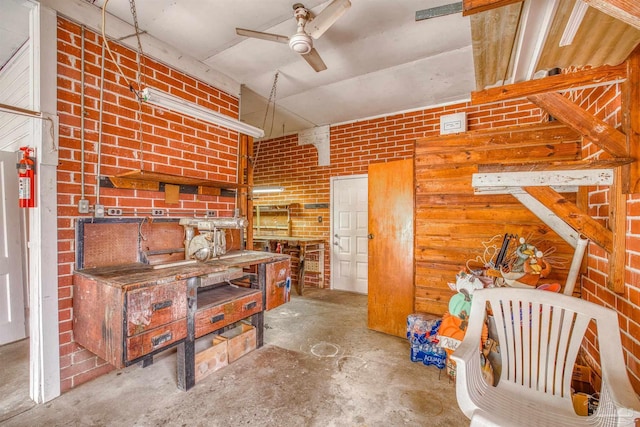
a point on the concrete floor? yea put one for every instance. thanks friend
(14, 379)
(320, 366)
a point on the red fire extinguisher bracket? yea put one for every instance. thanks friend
(26, 179)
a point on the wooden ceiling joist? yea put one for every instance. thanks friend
(600, 133)
(470, 7)
(627, 11)
(558, 83)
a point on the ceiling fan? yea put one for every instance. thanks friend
(309, 28)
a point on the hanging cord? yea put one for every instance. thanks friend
(100, 111)
(140, 77)
(113, 58)
(272, 99)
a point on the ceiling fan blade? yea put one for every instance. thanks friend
(313, 59)
(264, 36)
(325, 19)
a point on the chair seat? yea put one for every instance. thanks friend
(504, 406)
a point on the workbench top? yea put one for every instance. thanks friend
(292, 239)
(139, 274)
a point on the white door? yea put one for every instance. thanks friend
(12, 321)
(349, 255)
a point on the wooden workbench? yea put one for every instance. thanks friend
(305, 246)
(126, 314)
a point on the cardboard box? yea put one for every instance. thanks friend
(240, 341)
(213, 358)
(581, 373)
(581, 380)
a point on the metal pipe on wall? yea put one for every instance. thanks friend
(82, 28)
(99, 148)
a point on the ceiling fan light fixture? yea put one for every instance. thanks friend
(301, 43)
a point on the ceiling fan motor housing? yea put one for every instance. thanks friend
(301, 43)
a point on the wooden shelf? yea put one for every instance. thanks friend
(148, 180)
(279, 218)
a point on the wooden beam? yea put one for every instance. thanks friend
(555, 166)
(209, 191)
(134, 184)
(518, 190)
(470, 7)
(631, 117)
(627, 11)
(618, 225)
(600, 133)
(573, 216)
(245, 177)
(548, 178)
(144, 175)
(547, 216)
(557, 83)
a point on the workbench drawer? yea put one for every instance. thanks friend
(214, 317)
(278, 283)
(153, 306)
(155, 339)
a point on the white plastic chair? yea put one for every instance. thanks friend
(540, 334)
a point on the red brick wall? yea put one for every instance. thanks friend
(170, 143)
(606, 103)
(354, 146)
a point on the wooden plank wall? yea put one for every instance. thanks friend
(452, 222)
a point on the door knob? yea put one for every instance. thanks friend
(370, 236)
(335, 235)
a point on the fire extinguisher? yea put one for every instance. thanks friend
(26, 179)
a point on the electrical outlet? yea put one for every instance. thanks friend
(157, 212)
(83, 206)
(114, 212)
(98, 211)
(211, 213)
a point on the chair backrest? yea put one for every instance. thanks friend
(539, 333)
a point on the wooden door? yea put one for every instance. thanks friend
(391, 290)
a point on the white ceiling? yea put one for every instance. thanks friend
(380, 60)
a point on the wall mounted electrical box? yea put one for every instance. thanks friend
(453, 123)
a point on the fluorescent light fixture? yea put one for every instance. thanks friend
(179, 105)
(577, 15)
(268, 189)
